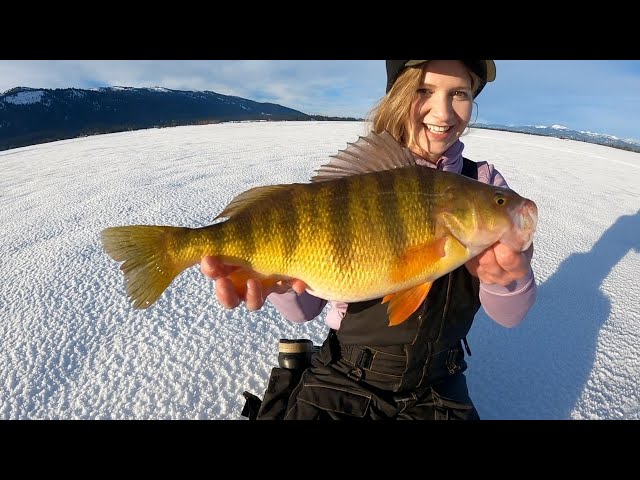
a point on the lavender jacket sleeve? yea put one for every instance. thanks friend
(297, 308)
(507, 306)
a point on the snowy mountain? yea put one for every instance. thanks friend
(560, 131)
(30, 116)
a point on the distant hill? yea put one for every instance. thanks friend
(29, 116)
(560, 131)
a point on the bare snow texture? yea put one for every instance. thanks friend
(73, 348)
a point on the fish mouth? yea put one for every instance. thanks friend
(527, 214)
(525, 221)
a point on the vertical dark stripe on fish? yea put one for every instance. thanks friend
(274, 230)
(220, 241)
(242, 235)
(288, 225)
(339, 224)
(427, 189)
(409, 203)
(394, 229)
(254, 224)
(214, 243)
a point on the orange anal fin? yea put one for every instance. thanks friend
(239, 279)
(403, 304)
(416, 260)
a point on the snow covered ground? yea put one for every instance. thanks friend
(72, 348)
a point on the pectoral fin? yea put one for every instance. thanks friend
(403, 304)
(416, 260)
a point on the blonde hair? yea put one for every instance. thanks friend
(393, 111)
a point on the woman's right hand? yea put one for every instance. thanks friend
(255, 292)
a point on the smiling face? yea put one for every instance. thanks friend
(442, 108)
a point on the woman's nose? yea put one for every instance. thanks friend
(441, 107)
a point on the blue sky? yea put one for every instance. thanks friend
(600, 96)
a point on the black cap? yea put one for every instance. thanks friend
(485, 69)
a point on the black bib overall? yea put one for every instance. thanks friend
(368, 370)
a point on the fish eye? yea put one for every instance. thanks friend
(500, 199)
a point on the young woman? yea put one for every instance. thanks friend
(366, 370)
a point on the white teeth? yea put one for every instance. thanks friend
(437, 129)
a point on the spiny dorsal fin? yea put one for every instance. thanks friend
(248, 198)
(373, 153)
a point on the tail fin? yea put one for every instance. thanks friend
(151, 258)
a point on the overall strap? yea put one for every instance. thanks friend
(469, 168)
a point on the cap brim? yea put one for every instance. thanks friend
(489, 68)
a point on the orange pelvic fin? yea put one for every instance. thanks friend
(402, 304)
(239, 279)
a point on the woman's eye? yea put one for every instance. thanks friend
(461, 94)
(423, 91)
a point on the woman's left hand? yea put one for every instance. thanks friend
(500, 265)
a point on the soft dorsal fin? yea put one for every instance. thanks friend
(248, 198)
(373, 153)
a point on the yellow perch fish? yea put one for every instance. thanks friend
(370, 224)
